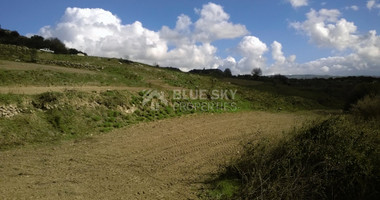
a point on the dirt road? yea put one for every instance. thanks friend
(168, 159)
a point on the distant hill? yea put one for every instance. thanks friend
(309, 76)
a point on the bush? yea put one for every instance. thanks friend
(333, 159)
(360, 91)
(368, 107)
(44, 100)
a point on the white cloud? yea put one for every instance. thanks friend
(298, 3)
(189, 44)
(99, 32)
(230, 63)
(181, 34)
(336, 65)
(291, 58)
(214, 24)
(251, 46)
(277, 53)
(191, 56)
(326, 30)
(353, 7)
(252, 49)
(282, 64)
(325, 69)
(372, 4)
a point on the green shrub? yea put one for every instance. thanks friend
(360, 91)
(44, 100)
(368, 107)
(333, 159)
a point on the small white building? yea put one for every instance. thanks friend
(47, 50)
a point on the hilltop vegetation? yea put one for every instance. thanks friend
(35, 42)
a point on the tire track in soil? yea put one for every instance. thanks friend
(167, 159)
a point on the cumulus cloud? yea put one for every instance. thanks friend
(230, 63)
(98, 32)
(298, 3)
(343, 65)
(181, 34)
(252, 49)
(277, 53)
(188, 45)
(282, 64)
(334, 65)
(373, 4)
(214, 24)
(192, 56)
(325, 28)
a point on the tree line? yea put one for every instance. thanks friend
(35, 42)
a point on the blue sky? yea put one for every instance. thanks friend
(242, 40)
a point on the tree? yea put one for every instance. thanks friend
(36, 42)
(227, 72)
(57, 46)
(256, 72)
(74, 51)
(280, 78)
(15, 34)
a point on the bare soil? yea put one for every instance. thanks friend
(167, 159)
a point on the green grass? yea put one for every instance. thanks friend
(223, 189)
(7, 99)
(54, 78)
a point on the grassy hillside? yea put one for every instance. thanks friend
(48, 97)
